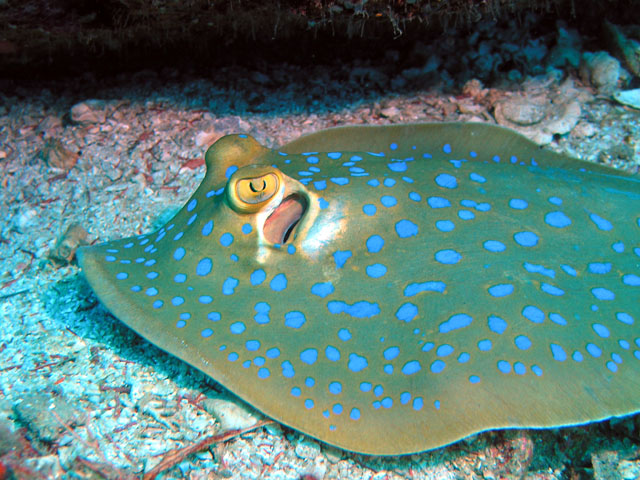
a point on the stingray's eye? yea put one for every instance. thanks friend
(250, 188)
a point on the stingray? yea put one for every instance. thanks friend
(393, 289)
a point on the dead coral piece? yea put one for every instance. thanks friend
(231, 415)
(631, 98)
(57, 156)
(89, 112)
(624, 47)
(538, 118)
(65, 250)
(601, 70)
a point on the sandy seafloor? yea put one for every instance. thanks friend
(81, 396)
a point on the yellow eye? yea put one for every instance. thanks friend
(250, 188)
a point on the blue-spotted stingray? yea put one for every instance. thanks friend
(393, 289)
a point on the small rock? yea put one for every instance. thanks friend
(24, 220)
(604, 465)
(629, 470)
(36, 412)
(57, 156)
(584, 130)
(631, 98)
(65, 249)
(89, 111)
(601, 70)
(307, 449)
(229, 414)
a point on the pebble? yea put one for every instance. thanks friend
(630, 98)
(307, 449)
(231, 415)
(89, 112)
(56, 155)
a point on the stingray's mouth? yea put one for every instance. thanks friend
(282, 222)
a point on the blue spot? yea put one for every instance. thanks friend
(445, 180)
(322, 289)
(569, 270)
(205, 299)
(411, 367)
(354, 414)
(455, 322)
(237, 328)
(136, 288)
(555, 200)
(310, 382)
(232, 357)
(332, 353)
(593, 350)
(445, 225)
(294, 319)
(190, 206)
(262, 313)
(625, 318)
(494, 246)
(320, 184)
(601, 330)
(602, 293)
(204, 267)
(230, 171)
(415, 196)
(334, 155)
(295, 391)
(504, 367)
(373, 182)
(577, 356)
(417, 403)
(340, 180)
(557, 219)
(178, 236)
(406, 228)
(618, 247)
(376, 270)
(257, 277)
(391, 353)
(226, 239)
(369, 209)
(518, 204)
(179, 253)
(273, 352)
(444, 350)
(631, 280)
(497, 324)
(501, 290)
(448, 257)
(397, 166)
(214, 316)
(122, 276)
(229, 286)
(360, 309)
(600, 222)
(177, 301)
(247, 229)
(388, 201)
(551, 289)
(208, 228)
(466, 215)
(522, 342)
(344, 334)
(341, 256)
(437, 366)
(287, 370)
(308, 403)
(335, 388)
(357, 363)
(365, 387)
(438, 202)
(415, 288)
(279, 282)
(427, 347)
(474, 379)
(526, 239)
(309, 356)
(446, 148)
(519, 368)
(532, 268)
(375, 243)
(185, 316)
(533, 314)
(485, 345)
(252, 345)
(206, 333)
(464, 357)
(558, 352)
(264, 372)
(407, 312)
